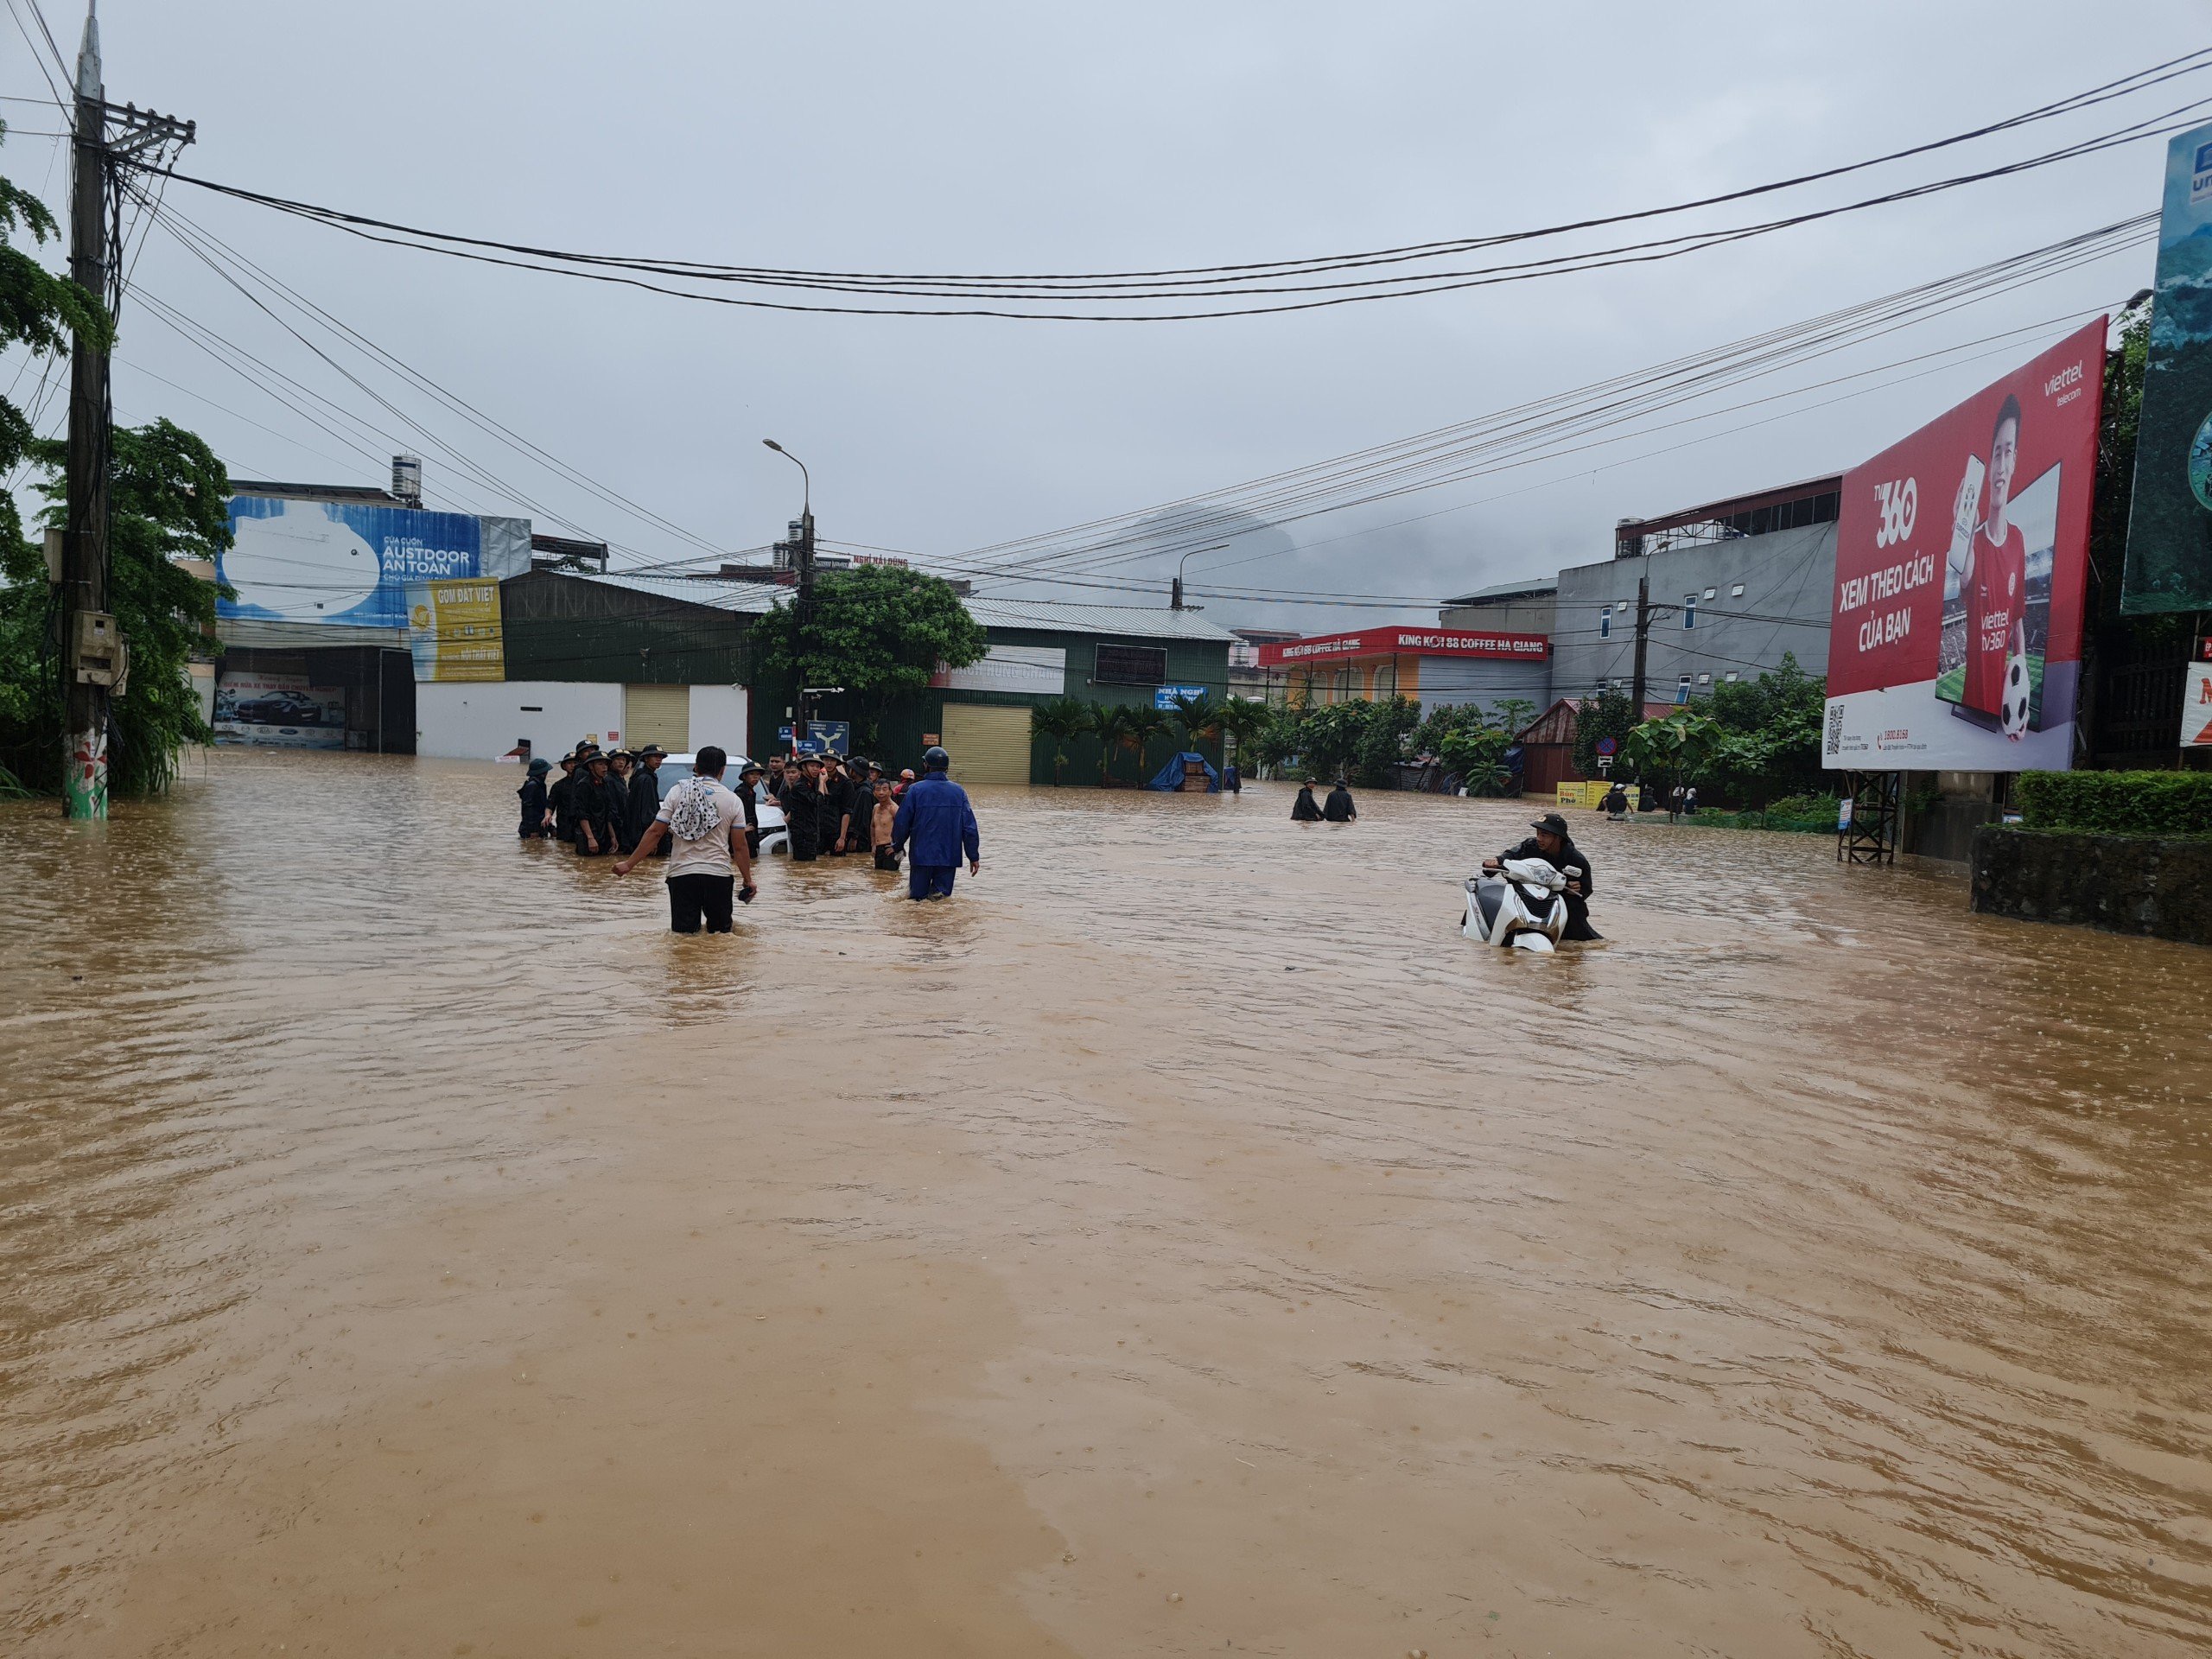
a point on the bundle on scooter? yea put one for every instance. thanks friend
(1519, 906)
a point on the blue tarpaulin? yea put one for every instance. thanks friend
(1171, 775)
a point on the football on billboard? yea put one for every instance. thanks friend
(2012, 707)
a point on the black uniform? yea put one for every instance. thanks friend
(560, 796)
(533, 827)
(1305, 808)
(1578, 904)
(641, 804)
(836, 804)
(1339, 809)
(593, 801)
(803, 818)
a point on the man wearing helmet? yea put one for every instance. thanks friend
(937, 823)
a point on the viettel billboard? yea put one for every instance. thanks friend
(1955, 634)
(349, 563)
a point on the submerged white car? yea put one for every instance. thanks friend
(770, 835)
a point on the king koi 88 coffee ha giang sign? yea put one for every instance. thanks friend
(1956, 635)
(349, 563)
(1420, 642)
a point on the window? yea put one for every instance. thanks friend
(1131, 664)
(1711, 593)
(1690, 610)
(1737, 592)
(1605, 624)
(1682, 689)
(1705, 679)
(1732, 677)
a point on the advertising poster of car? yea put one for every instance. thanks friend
(348, 564)
(453, 630)
(2168, 565)
(279, 711)
(1961, 553)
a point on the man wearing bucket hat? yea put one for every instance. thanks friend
(1556, 848)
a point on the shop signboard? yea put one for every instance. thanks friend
(1961, 553)
(1416, 642)
(350, 563)
(2197, 700)
(2169, 520)
(453, 630)
(1163, 696)
(278, 711)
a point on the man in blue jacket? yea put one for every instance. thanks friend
(935, 821)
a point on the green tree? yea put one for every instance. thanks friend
(1060, 721)
(1478, 757)
(1198, 718)
(879, 631)
(1610, 714)
(169, 499)
(1141, 727)
(1771, 734)
(1107, 723)
(1239, 721)
(1677, 749)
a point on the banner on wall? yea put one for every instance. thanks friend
(279, 711)
(1035, 671)
(2169, 516)
(453, 630)
(1961, 553)
(349, 563)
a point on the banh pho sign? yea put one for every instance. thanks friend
(1390, 642)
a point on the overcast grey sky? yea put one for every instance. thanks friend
(1007, 137)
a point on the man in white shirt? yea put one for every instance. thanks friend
(707, 825)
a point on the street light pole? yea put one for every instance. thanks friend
(803, 607)
(1175, 593)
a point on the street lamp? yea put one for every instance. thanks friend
(806, 484)
(1175, 597)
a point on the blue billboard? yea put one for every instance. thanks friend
(348, 564)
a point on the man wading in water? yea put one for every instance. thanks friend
(707, 823)
(935, 821)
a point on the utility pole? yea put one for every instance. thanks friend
(1643, 643)
(94, 663)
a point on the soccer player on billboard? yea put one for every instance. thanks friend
(1995, 586)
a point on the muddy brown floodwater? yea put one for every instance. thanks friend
(1182, 1241)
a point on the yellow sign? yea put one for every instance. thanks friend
(453, 630)
(1585, 794)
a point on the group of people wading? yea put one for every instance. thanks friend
(614, 802)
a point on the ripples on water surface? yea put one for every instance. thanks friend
(1813, 1268)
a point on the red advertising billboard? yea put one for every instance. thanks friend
(1955, 636)
(1395, 641)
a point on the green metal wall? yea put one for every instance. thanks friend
(560, 628)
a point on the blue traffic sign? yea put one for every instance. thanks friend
(822, 737)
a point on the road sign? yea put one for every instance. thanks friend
(822, 737)
(1163, 696)
(1609, 746)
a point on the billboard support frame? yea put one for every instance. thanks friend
(1870, 837)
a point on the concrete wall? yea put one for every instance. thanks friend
(481, 722)
(719, 715)
(1532, 613)
(1457, 680)
(2122, 884)
(1789, 573)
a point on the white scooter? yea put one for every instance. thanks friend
(1519, 906)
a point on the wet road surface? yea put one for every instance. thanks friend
(1182, 1241)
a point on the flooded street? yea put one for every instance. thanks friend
(1182, 1241)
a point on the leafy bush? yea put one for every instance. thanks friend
(1811, 814)
(2118, 803)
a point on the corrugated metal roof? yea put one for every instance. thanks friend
(757, 598)
(1507, 589)
(745, 598)
(1143, 621)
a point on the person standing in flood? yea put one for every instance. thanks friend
(537, 815)
(593, 798)
(1339, 809)
(935, 821)
(1305, 809)
(707, 823)
(641, 794)
(802, 808)
(560, 796)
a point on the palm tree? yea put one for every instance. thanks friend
(1140, 726)
(1200, 717)
(1061, 720)
(1239, 720)
(1106, 722)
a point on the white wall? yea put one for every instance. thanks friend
(481, 720)
(718, 716)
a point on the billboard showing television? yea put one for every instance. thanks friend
(1955, 634)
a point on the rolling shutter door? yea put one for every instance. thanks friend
(987, 744)
(657, 714)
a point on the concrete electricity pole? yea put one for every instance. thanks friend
(1643, 643)
(94, 664)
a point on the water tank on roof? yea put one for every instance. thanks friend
(407, 478)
